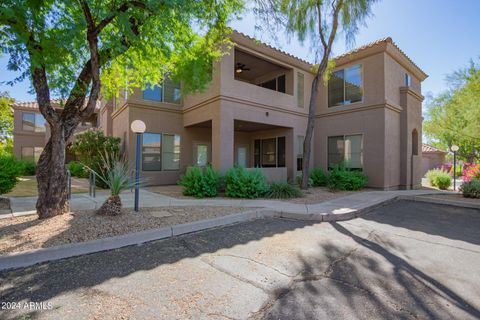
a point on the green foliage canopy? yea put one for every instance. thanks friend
(453, 117)
(6, 119)
(139, 42)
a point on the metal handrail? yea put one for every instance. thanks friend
(92, 184)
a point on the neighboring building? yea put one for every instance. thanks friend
(432, 158)
(31, 131)
(254, 114)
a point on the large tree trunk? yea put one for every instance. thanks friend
(52, 177)
(307, 143)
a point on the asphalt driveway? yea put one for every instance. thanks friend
(405, 261)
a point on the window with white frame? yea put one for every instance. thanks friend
(160, 152)
(345, 86)
(408, 80)
(346, 150)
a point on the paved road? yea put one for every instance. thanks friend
(405, 261)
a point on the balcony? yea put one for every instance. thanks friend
(260, 72)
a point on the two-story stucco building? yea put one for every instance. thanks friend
(254, 114)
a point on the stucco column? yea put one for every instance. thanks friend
(222, 142)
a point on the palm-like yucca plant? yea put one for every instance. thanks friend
(114, 172)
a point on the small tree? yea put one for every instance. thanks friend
(6, 122)
(69, 48)
(319, 21)
(453, 117)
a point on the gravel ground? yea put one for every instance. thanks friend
(455, 197)
(28, 232)
(311, 196)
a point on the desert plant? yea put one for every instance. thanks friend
(319, 177)
(471, 189)
(439, 178)
(91, 147)
(115, 173)
(344, 179)
(200, 183)
(77, 169)
(28, 167)
(283, 190)
(242, 183)
(10, 170)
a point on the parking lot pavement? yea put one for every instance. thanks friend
(406, 260)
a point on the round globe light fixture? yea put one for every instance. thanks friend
(454, 148)
(138, 126)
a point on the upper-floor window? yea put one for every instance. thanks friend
(276, 84)
(32, 121)
(300, 90)
(345, 86)
(408, 80)
(168, 92)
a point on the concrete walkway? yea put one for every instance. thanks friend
(347, 206)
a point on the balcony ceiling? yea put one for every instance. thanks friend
(244, 126)
(258, 67)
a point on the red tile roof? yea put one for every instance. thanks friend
(430, 149)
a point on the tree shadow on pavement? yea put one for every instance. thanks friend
(365, 282)
(451, 222)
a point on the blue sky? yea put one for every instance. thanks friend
(440, 36)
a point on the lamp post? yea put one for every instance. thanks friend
(454, 148)
(138, 127)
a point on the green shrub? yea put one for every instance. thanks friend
(28, 167)
(318, 177)
(439, 178)
(344, 179)
(283, 190)
(201, 183)
(91, 147)
(298, 181)
(242, 183)
(471, 189)
(77, 169)
(10, 170)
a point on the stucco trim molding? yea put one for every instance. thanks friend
(385, 105)
(413, 93)
(245, 102)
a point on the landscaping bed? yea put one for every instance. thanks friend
(27, 187)
(28, 232)
(311, 196)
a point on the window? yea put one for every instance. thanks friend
(345, 86)
(171, 152)
(31, 153)
(408, 80)
(34, 122)
(275, 84)
(160, 152)
(168, 92)
(300, 90)
(202, 155)
(269, 152)
(151, 147)
(154, 93)
(300, 140)
(346, 150)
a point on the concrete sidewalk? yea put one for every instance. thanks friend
(345, 207)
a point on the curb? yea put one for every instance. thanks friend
(454, 203)
(36, 256)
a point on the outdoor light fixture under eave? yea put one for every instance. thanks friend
(454, 148)
(138, 127)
